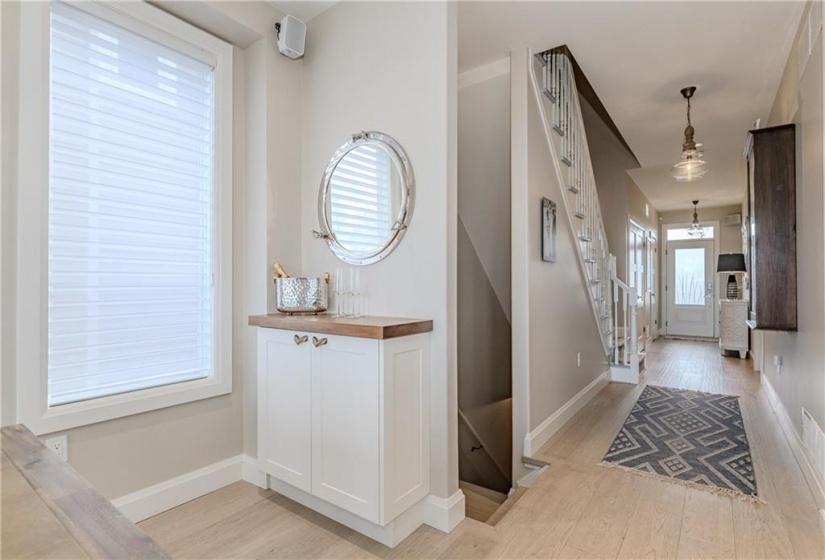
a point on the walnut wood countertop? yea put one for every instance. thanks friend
(50, 511)
(362, 327)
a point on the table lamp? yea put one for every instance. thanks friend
(732, 264)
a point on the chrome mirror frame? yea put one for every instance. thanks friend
(402, 219)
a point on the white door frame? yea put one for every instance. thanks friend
(642, 287)
(652, 272)
(664, 269)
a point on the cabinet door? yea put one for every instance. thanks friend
(345, 427)
(284, 406)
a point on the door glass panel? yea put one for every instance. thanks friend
(690, 276)
(683, 234)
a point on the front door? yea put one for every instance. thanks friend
(689, 288)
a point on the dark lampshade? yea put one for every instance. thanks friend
(731, 262)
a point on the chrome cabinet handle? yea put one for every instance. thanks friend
(319, 342)
(300, 339)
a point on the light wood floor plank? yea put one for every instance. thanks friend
(760, 532)
(707, 526)
(657, 522)
(608, 514)
(197, 515)
(576, 509)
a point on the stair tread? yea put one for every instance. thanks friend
(508, 504)
(480, 503)
(487, 493)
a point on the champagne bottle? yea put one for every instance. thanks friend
(279, 271)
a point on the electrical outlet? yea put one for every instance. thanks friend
(578, 359)
(777, 362)
(59, 446)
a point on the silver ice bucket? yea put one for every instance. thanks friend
(301, 295)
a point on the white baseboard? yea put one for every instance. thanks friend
(538, 437)
(527, 480)
(444, 514)
(620, 374)
(389, 535)
(252, 474)
(171, 493)
(816, 485)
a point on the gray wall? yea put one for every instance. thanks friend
(801, 382)
(619, 197)
(484, 261)
(552, 314)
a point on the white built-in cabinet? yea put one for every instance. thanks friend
(345, 419)
(733, 327)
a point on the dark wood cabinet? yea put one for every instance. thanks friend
(772, 235)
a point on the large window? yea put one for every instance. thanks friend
(137, 211)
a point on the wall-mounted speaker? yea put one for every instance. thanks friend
(292, 34)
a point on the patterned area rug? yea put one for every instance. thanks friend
(695, 438)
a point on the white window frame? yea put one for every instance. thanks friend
(32, 229)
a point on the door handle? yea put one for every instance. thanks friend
(300, 339)
(319, 341)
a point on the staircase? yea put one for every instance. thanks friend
(614, 303)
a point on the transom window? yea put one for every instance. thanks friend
(682, 234)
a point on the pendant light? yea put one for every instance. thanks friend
(695, 230)
(690, 167)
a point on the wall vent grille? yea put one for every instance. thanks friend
(813, 438)
(732, 219)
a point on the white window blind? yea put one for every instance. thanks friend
(130, 223)
(361, 199)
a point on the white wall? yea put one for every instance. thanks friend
(390, 67)
(801, 382)
(552, 314)
(271, 223)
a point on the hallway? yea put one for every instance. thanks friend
(577, 509)
(642, 517)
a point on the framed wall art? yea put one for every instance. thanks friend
(548, 230)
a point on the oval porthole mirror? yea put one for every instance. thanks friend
(365, 203)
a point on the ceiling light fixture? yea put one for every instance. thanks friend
(695, 230)
(690, 167)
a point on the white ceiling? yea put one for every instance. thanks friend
(638, 55)
(304, 10)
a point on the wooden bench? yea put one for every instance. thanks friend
(50, 511)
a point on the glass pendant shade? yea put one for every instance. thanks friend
(695, 229)
(690, 168)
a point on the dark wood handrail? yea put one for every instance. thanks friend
(587, 91)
